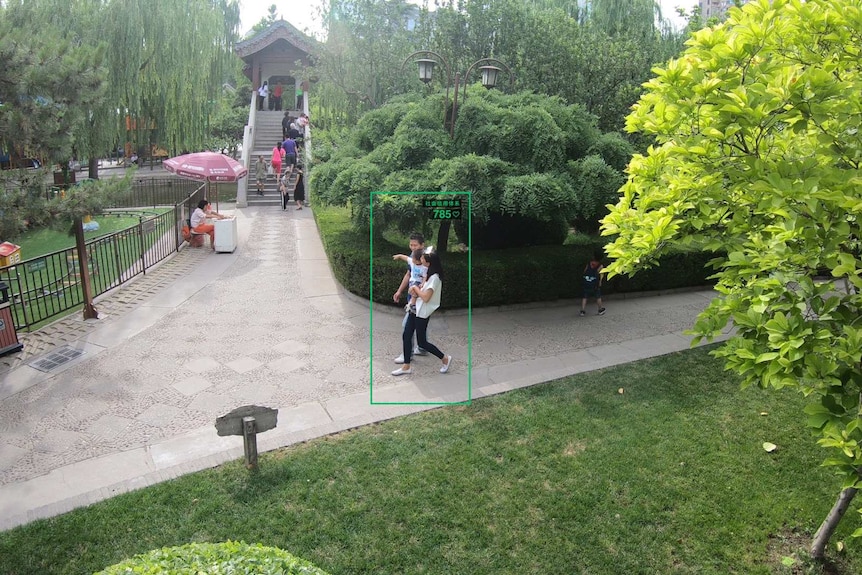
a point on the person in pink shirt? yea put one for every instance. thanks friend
(278, 155)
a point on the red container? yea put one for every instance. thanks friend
(8, 337)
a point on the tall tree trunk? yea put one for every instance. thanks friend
(827, 528)
(84, 269)
(443, 236)
(93, 168)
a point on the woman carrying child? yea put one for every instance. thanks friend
(427, 298)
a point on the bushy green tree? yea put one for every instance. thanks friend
(359, 65)
(49, 82)
(265, 22)
(598, 57)
(229, 116)
(512, 152)
(596, 184)
(164, 71)
(758, 155)
(78, 68)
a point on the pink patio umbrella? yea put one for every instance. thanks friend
(207, 167)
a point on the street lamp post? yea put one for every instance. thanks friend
(428, 59)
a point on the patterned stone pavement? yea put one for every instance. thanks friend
(250, 336)
(116, 303)
(204, 333)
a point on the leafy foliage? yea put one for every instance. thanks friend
(532, 272)
(378, 125)
(85, 66)
(49, 81)
(596, 185)
(615, 150)
(484, 176)
(511, 152)
(230, 557)
(598, 57)
(230, 113)
(24, 205)
(89, 197)
(366, 42)
(758, 154)
(164, 71)
(265, 22)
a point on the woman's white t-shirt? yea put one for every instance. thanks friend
(198, 218)
(424, 309)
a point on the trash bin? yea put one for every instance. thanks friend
(59, 180)
(8, 337)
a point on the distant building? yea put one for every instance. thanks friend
(716, 8)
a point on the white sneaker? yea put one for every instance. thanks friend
(446, 367)
(400, 359)
(419, 351)
(402, 371)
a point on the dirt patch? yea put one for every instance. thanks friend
(787, 553)
(575, 447)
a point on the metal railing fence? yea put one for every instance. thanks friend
(43, 287)
(147, 192)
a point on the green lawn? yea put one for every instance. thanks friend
(569, 477)
(45, 241)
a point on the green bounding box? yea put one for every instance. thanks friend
(394, 217)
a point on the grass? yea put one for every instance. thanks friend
(568, 477)
(579, 239)
(47, 240)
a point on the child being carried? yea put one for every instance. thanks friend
(417, 275)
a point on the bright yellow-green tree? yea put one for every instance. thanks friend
(757, 156)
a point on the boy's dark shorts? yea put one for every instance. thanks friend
(590, 291)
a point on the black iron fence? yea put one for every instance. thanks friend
(46, 286)
(146, 192)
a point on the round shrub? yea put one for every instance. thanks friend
(596, 185)
(233, 557)
(377, 126)
(615, 150)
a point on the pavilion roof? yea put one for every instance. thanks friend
(278, 30)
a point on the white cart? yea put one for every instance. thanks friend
(225, 235)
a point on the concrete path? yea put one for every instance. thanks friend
(204, 333)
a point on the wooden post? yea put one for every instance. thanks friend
(84, 267)
(248, 421)
(249, 436)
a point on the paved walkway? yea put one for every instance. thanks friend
(204, 333)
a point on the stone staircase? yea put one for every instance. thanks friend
(267, 133)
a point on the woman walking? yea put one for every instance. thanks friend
(277, 157)
(260, 173)
(427, 302)
(299, 189)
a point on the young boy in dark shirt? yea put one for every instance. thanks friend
(593, 285)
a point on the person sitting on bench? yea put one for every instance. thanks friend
(199, 220)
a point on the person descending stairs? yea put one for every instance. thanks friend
(291, 183)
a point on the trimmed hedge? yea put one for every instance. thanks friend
(232, 557)
(500, 277)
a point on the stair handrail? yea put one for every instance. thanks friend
(245, 158)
